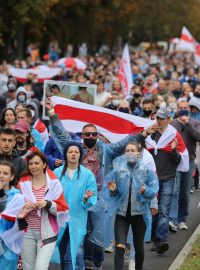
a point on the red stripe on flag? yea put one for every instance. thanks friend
(187, 38)
(107, 121)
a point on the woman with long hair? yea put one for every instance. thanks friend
(8, 118)
(80, 193)
(11, 203)
(45, 210)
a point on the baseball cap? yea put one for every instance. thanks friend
(163, 113)
(22, 126)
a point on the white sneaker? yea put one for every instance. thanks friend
(172, 227)
(131, 264)
(182, 226)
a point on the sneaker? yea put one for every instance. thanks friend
(182, 226)
(191, 191)
(109, 249)
(131, 264)
(154, 248)
(172, 227)
(88, 265)
(162, 247)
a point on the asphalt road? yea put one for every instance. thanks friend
(176, 243)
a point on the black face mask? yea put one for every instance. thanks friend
(147, 112)
(177, 93)
(90, 142)
(197, 95)
(137, 95)
(124, 110)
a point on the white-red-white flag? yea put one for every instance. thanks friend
(124, 73)
(113, 125)
(42, 129)
(165, 142)
(187, 41)
(42, 73)
(197, 54)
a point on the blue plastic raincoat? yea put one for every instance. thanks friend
(74, 191)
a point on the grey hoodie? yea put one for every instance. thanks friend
(14, 103)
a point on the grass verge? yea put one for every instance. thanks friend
(192, 262)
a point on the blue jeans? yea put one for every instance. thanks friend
(162, 222)
(181, 195)
(184, 195)
(93, 252)
(65, 254)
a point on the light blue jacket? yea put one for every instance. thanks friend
(74, 191)
(8, 259)
(107, 152)
(141, 175)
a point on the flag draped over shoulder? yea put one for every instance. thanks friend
(113, 125)
(165, 142)
(42, 129)
(124, 73)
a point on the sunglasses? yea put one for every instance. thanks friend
(88, 134)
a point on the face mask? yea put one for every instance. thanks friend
(183, 112)
(124, 110)
(177, 93)
(197, 95)
(131, 160)
(147, 112)
(21, 98)
(137, 95)
(32, 113)
(90, 142)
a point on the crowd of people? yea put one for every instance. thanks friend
(69, 198)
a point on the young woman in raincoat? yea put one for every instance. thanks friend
(80, 191)
(11, 202)
(134, 185)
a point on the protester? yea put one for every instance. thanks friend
(11, 203)
(80, 193)
(189, 129)
(167, 148)
(26, 115)
(7, 151)
(139, 187)
(8, 118)
(45, 210)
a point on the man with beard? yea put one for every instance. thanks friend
(97, 157)
(24, 141)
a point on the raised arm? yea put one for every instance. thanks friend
(58, 132)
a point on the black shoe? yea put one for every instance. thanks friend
(154, 248)
(162, 247)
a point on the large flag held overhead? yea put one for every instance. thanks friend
(113, 125)
(42, 73)
(124, 73)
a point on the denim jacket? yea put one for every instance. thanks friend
(141, 175)
(107, 152)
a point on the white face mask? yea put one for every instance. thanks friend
(32, 113)
(21, 98)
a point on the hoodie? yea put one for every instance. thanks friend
(14, 103)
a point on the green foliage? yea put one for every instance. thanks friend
(96, 21)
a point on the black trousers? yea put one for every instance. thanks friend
(138, 227)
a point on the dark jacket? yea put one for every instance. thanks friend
(18, 162)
